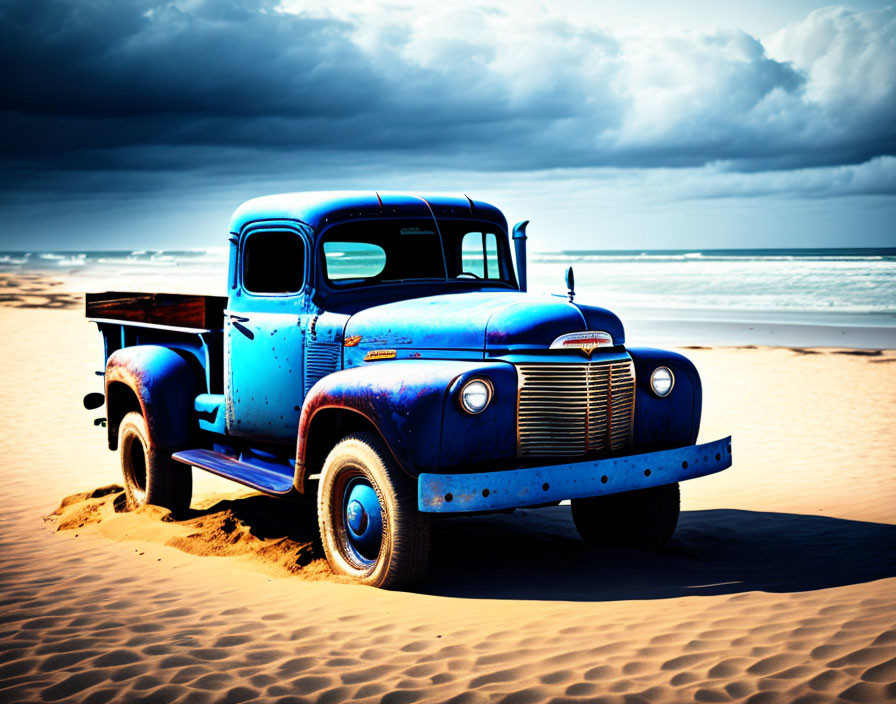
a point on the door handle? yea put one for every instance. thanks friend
(237, 323)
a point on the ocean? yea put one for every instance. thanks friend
(828, 288)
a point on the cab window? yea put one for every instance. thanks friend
(273, 262)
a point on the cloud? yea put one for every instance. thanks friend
(849, 60)
(871, 178)
(598, 188)
(226, 85)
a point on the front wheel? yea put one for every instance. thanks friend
(643, 519)
(150, 475)
(370, 527)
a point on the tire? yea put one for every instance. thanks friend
(150, 475)
(643, 519)
(370, 527)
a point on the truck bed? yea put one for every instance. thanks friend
(163, 309)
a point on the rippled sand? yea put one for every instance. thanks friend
(779, 586)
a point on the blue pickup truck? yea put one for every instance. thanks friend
(380, 352)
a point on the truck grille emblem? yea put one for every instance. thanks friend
(585, 341)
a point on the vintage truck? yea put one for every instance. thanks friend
(381, 353)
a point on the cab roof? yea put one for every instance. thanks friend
(318, 209)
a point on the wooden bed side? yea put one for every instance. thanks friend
(173, 309)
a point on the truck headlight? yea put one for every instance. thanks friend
(661, 381)
(475, 395)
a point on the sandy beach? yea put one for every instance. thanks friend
(779, 585)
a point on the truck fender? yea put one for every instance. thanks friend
(162, 387)
(673, 421)
(403, 400)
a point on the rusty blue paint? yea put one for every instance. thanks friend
(531, 322)
(672, 421)
(487, 439)
(494, 491)
(254, 390)
(264, 358)
(165, 387)
(203, 345)
(497, 322)
(210, 412)
(320, 209)
(597, 318)
(402, 399)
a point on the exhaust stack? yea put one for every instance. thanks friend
(519, 243)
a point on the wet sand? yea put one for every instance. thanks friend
(779, 585)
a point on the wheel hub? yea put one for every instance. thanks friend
(357, 518)
(363, 519)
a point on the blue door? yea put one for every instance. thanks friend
(264, 335)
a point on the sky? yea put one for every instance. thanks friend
(610, 125)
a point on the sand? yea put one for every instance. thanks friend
(779, 585)
(19, 290)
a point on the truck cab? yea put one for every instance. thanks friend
(381, 353)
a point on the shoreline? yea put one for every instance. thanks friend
(745, 334)
(669, 328)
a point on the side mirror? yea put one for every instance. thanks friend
(519, 243)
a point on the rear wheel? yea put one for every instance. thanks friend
(643, 519)
(370, 527)
(150, 475)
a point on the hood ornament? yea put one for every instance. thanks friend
(585, 341)
(570, 284)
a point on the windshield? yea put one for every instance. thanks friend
(393, 251)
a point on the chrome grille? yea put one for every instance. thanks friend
(568, 410)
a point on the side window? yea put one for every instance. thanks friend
(479, 255)
(273, 262)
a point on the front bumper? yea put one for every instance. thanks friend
(515, 488)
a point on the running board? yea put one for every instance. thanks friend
(251, 475)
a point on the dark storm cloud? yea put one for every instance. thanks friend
(122, 85)
(93, 76)
(139, 59)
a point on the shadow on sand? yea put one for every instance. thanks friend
(536, 554)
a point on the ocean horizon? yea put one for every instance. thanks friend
(845, 280)
(846, 288)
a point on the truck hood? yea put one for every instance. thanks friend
(477, 321)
